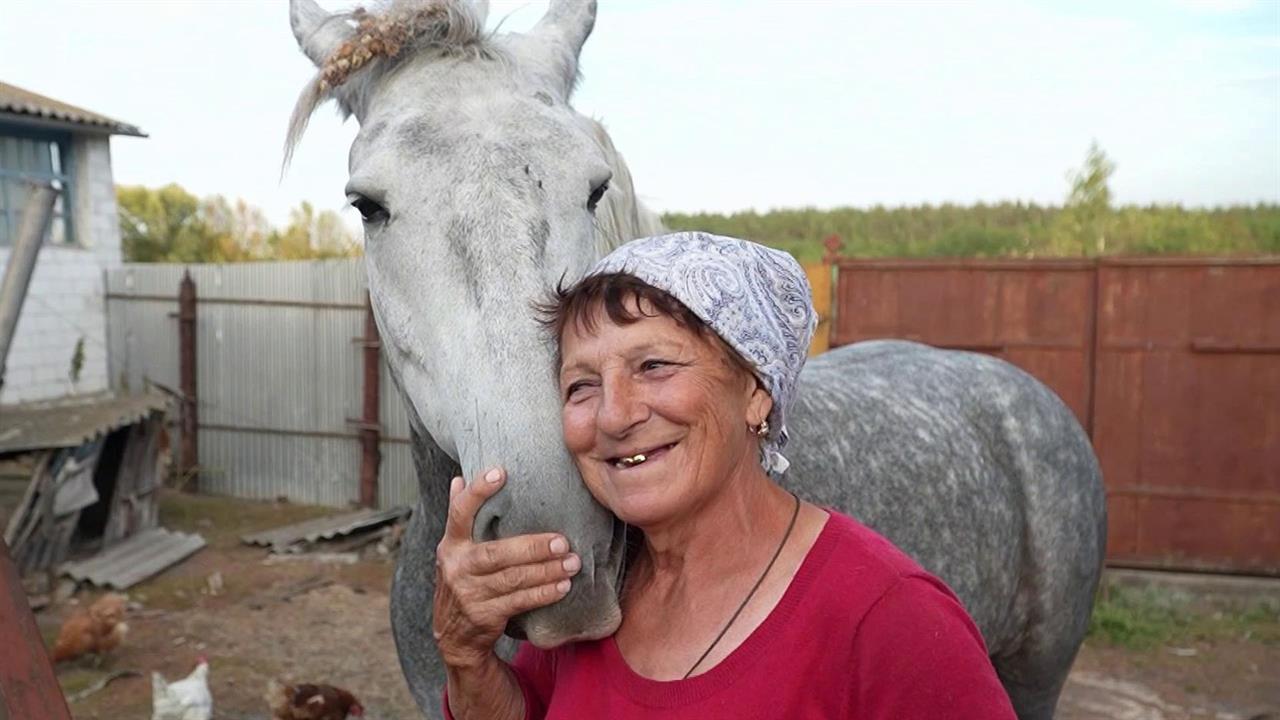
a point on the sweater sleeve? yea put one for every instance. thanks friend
(918, 655)
(534, 670)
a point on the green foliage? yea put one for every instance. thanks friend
(169, 224)
(997, 230)
(1086, 224)
(1146, 618)
(77, 360)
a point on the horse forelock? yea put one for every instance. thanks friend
(378, 41)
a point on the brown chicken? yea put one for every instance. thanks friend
(97, 630)
(305, 701)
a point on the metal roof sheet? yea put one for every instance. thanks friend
(70, 422)
(128, 563)
(17, 101)
(327, 528)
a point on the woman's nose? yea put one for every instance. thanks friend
(620, 408)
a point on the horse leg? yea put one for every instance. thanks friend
(1063, 550)
(413, 587)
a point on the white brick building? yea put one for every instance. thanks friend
(60, 345)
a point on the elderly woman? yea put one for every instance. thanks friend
(679, 356)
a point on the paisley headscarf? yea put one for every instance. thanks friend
(755, 298)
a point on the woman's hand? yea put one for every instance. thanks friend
(480, 586)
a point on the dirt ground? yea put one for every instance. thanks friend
(329, 622)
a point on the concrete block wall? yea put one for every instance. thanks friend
(66, 299)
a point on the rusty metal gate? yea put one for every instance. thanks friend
(1171, 365)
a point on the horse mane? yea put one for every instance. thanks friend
(379, 41)
(621, 216)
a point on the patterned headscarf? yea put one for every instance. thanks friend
(755, 298)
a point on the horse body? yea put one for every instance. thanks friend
(482, 189)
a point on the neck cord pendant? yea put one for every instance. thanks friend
(790, 526)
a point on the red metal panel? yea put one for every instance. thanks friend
(1173, 364)
(28, 687)
(1035, 314)
(1187, 412)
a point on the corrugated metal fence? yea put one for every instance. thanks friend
(1171, 364)
(279, 374)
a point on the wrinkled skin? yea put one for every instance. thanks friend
(487, 176)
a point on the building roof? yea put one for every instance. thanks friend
(25, 106)
(68, 422)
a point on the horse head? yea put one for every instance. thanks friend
(480, 189)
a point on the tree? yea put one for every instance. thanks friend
(169, 224)
(164, 225)
(313, 235)
(1083, 224)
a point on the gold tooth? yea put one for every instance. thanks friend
(633, 460)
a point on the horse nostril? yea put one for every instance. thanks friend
(489, 531)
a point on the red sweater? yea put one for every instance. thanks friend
(862, 632)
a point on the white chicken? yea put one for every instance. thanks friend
(185, 699)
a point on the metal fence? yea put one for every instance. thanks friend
(1171, 364)
(278, 372)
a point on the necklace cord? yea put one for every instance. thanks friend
(759, 581)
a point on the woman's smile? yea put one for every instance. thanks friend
(631, 461)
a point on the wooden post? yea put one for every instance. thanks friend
(189, 456)
(370, 429)
(821, 282)
(28, 687)
(22, 263)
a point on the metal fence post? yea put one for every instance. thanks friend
(189, 451)
(370, 428)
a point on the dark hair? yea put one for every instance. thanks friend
(621, 295)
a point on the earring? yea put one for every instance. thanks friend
(763, 428)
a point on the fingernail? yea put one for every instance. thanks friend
(493, 475)
(559, 545)
(563, 586)
(573, 563)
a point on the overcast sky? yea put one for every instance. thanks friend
(729, 105)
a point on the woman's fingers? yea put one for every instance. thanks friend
(528, 599)
(494, 555)
(513, 579)
(465, 502)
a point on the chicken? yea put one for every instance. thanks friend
(305, 701)
(185, 699)
(97, 630)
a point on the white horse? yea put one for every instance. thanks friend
(481, 188)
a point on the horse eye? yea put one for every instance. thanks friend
(596, 196)
(370, 211)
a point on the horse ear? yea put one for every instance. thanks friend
(318, 32)
(558, 39)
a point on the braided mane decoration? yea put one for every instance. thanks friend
(378, 41)
(378, 36)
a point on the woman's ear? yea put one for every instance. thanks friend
(759, 405)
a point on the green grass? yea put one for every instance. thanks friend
(1146, 618)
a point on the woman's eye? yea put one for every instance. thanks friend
(370, 211)
(574, 389)
(653, 364)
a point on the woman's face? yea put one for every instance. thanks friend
(655, 388)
